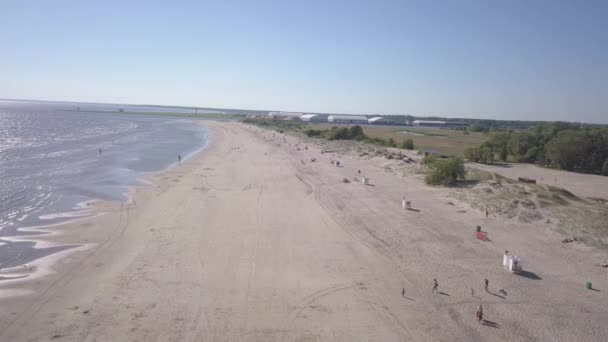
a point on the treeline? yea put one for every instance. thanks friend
(333, 133)
(561, 145)
(356, 133)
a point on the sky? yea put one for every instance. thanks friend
(520, 60)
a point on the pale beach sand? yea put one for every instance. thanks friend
(250, 241)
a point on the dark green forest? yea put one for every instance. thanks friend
(561, 145)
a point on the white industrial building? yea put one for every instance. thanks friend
(284, 115)
(436, 123)
(376, 120)
(429, 123)
(308, 117)
(347, 119)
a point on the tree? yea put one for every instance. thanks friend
(503, 153)
(472, 154)
(605, 168)
(407, 144)
(486, 154)
(520, 143)
(445, 171)
(566, 150)
(338, 134)
(356, 133)
(498, 142)
(476, 127)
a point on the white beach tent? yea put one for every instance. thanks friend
(512, 263)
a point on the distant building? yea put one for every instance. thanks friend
(456, 124)
(307, 117)
(429, 123)
(314, 118)
(376, 120)
(443, 124)
(284, 115)
(347, 119)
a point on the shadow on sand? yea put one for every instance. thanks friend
(443, 294)
(496, 294)
(466, 183)
(490, 323)
(529, 275)
(414, 209)
(505, 165)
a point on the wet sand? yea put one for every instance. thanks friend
(251, 241)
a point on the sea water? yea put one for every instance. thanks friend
(50, 163)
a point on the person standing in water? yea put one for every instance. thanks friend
(99, 151)
(179, 159)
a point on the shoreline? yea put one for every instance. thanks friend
(46, 233)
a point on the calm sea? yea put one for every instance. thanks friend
(50, 163)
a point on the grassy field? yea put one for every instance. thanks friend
(446, 141)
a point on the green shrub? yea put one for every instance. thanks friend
(337, 134)
(407, 144)
(429, 159)
(356, 133)
(472, 154)
(313, 132)
(444, 171)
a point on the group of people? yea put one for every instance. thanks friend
(479, 313)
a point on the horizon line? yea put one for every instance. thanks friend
(287, 111)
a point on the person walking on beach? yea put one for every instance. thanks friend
(435, 285)
(403, 292)
(486, 212)
(480, 314)
(403, 203)
(487, 282)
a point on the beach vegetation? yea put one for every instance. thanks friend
(559, 145)
(444, 171)
(407, 144)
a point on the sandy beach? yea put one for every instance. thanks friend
(251, 241)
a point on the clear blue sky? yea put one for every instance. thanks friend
(544, 60)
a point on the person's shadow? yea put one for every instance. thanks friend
(490, 323)
(495, 294)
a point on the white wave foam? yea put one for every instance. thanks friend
(80, 213)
